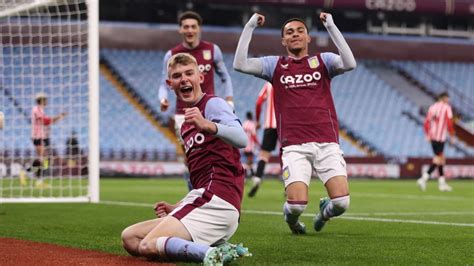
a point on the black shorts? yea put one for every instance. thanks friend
(270, 138)
(438, 147)
(41, 142)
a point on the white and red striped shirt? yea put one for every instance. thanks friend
(40, 123)
(438, 121)
(266, 94)
(250, 129)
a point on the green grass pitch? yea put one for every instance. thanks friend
(389, 223)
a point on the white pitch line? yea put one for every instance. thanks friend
(351, 214)
(407, 213)
(374, 219)
(410, 197)
(126, 203)
(404, 221)
(345, 217)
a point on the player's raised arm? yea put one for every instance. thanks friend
(345, 61)
(241, 61)
(163, 89)
(221, 70)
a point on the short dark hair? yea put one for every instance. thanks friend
(293, 19)
(41, 98)
(249, 115)
(189, 15)
(443, 94)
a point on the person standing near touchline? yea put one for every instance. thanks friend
(438, 122)
(270, 136)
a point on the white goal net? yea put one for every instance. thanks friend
(49, 101)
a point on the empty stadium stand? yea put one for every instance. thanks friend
(369, 106)
(366, 104)
(125, 134)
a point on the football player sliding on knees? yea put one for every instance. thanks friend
(187, 231)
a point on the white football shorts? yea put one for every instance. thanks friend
(209, 219)
(303, 161)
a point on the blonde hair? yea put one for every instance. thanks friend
(181, 59)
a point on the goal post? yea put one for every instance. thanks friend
(94, 145)
(50, 66)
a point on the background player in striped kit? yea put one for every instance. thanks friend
(438, 122)
(270, 136)
(306, 117)
(40, 136)
(210, 60)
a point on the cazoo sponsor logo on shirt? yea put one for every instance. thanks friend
(196, 139)
(300, 80)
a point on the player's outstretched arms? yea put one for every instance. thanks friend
(346, 60)
(241, 61)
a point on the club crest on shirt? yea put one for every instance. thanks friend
(206, 54)
(313, 62)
